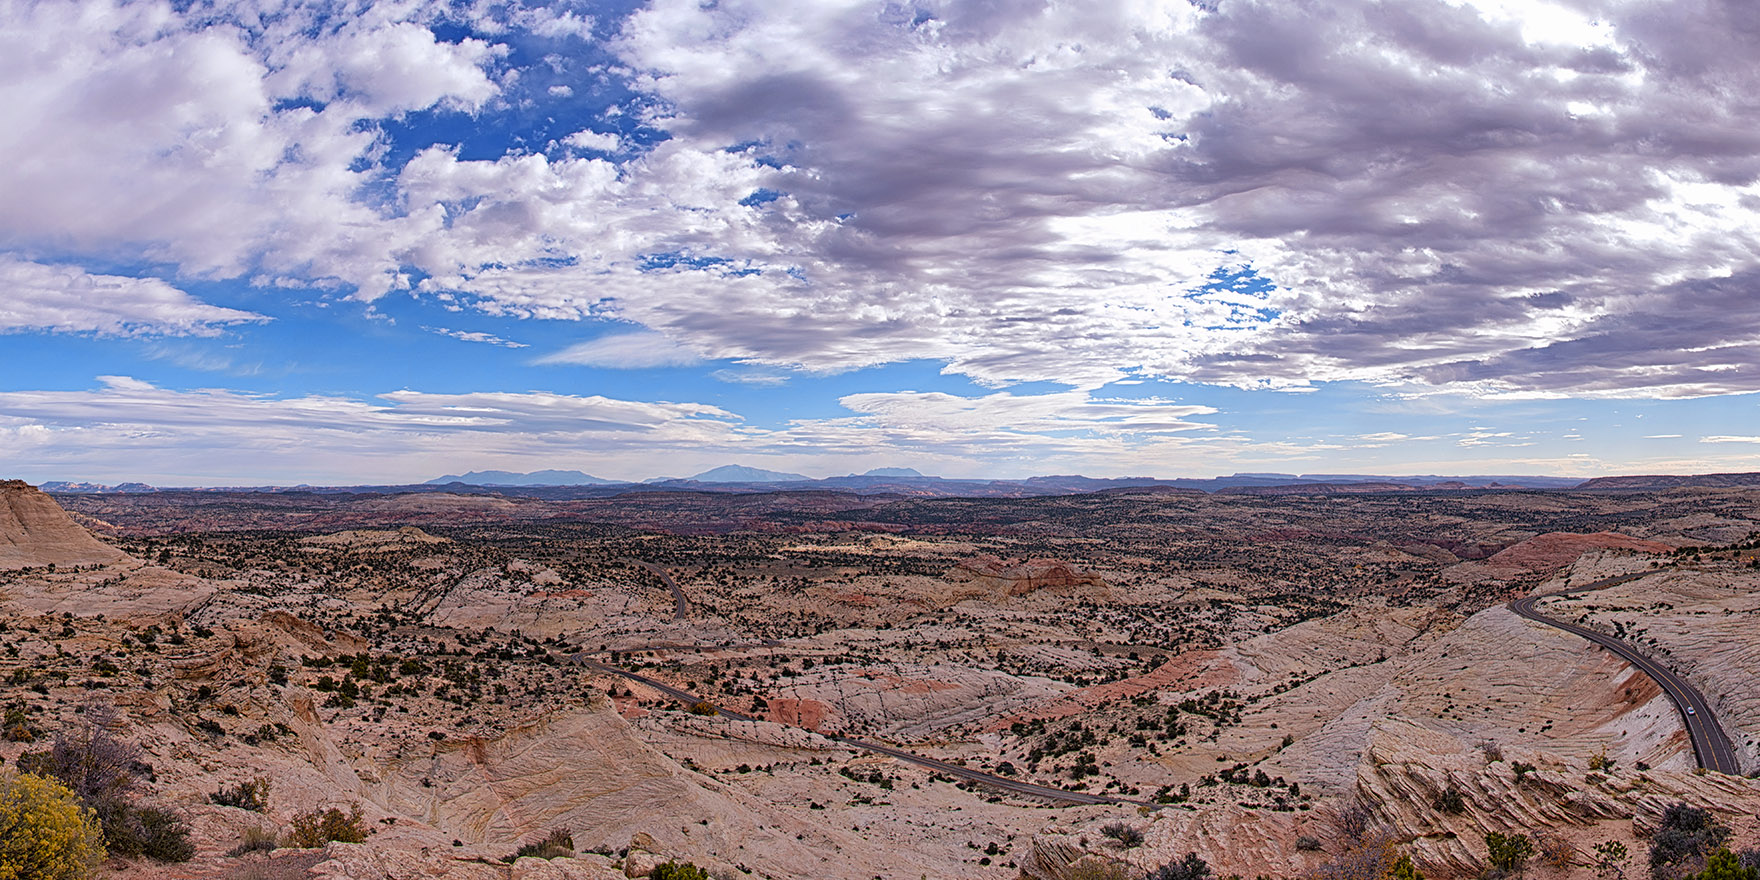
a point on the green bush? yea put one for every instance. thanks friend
(678, 871)
(44, 832)
(1723, 865)
(1508, 853)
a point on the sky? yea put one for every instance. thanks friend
(254, 242)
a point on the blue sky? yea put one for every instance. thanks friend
(253, 243)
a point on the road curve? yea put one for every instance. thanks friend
(1710, 744)
(1013, 786)
(679, 603)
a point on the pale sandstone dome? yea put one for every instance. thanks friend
(35, 531)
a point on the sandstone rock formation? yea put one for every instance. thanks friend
(1018, 579)
(35, 531)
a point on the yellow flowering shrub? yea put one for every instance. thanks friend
(44, 832)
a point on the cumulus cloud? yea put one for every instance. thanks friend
(1555, 198)
(64, 299)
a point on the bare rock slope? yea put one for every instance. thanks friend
(35, 531)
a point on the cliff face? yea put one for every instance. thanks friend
(35, 531)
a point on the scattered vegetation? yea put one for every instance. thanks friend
(101, 771)
(1686, 836)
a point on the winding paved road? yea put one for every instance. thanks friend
(679, 603)
(1013, 786)
(1710, 744)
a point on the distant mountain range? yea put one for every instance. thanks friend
(739, 473)
(910, 482)
(535, 478)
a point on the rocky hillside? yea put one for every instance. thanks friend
(35, 531)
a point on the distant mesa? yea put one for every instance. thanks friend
(739, 473)
(535, 478)
(893, 472)
(35, 531)
(1656, 482)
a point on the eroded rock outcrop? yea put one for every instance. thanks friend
(1021, 578)
(35, 531)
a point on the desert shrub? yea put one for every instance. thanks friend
(678, 871)
(558, 844)
(1371, 858)
(251, 794)
(1555, 850)
(703, 707)
(1308, 843)
(1681, 843)
(315, 828)
(1450, 801)
(1492, 751)
(44, 832)
(17, 726)
(1507, 853)
(1749, 858)
(1096, 869)
(1725, 865)
(101, 771)
(1403, 869)
(1522, 769)
(1610, 860)
(97, 766)
(1125, 835)
(254, 839)
(153, 832)
(1192, 867)
(1351, 820)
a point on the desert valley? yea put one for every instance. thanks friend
(1309, 682)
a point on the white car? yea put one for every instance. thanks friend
(1690, 711)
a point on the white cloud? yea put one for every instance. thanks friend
(1729, 438)
(587, 139)
(1499, 197)
(64, 299)
(476, 336)
(625, 351)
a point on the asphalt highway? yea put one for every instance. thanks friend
(679, 603)
(1710, 744)
(1013, 786)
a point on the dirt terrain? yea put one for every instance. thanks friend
(1248, 668)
